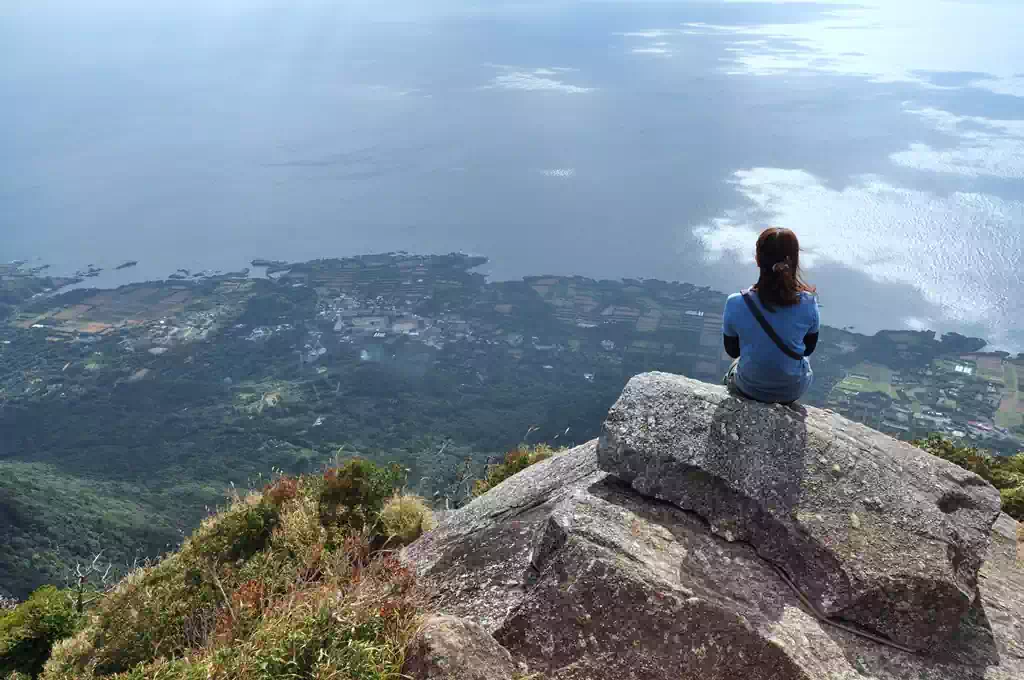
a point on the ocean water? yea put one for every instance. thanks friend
(601, 138)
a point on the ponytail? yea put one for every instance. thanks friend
(778, 256)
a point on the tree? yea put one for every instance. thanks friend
(29, 631)
(88, 583)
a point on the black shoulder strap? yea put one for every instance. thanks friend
(768, 328)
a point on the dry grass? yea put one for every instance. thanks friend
(515, 461)
(262, 590)
(405, 518)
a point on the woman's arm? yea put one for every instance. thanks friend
(811, 339)
(730, 334)
(810, 343)
(732, 345)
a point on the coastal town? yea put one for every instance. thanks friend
(970, 396)
(399, 307)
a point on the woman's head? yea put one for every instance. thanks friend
(778, 257)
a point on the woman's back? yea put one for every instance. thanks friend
(764, 370)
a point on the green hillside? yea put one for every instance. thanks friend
(298, 580)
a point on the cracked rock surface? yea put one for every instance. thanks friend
(872, 530)
(580, 576)
(450, 648)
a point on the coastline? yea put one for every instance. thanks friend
(97, 278)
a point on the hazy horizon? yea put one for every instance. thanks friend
(606, 139)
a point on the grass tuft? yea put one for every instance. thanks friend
(352, 495)
(405, 518)
(515, 461)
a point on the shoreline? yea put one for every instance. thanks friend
(267, 268)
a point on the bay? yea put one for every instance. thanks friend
(608, 139)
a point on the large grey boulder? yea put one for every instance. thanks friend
(482, 552)
(872, 530)
(580, 577)
(450, 648)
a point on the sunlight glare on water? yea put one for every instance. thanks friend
(609, 139)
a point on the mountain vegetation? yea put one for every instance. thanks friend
(120, 443)
(136, 461)
(297, 580)
(29, 630)
(1006, 473)
(515, 461)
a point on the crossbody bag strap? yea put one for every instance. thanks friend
(768, 328)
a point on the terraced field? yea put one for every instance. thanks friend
(1011, 408)
(868, 377)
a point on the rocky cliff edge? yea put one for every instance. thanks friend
(710, 537)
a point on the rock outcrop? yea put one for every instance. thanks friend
(871, 530)
(450, 648)
(581, 574)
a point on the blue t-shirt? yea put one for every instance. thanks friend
(765, 372)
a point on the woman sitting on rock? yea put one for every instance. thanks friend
(772, 328)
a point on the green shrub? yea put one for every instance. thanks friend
(515, 461)
(239, 533)
(262, 590)
(352, 495)
(29, 631)
(148, 614)
(1006, 473)
(1013, 502)
(405, 518)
